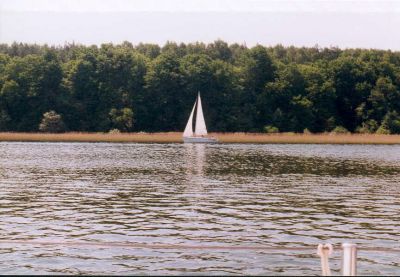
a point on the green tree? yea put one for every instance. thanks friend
(149, 50)
(391, 122)
(219, 50)
(52, 123)
(256, 70)
(347, 74)
(368, 127)
(384, 97)
(32, 86)
(4, 121)
(163, 97)
(121, 119)
(82, 85)
(320, 91)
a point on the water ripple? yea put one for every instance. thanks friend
(277, 195)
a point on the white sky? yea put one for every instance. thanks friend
(361, 23)
(201, 5)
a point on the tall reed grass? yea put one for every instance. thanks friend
(293, 138)
(176, 137)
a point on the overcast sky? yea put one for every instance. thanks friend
(362, 23)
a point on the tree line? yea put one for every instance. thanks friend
(147, 87)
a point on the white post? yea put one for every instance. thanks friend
(349, 259)
(324, 251)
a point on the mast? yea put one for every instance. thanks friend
(200, 128)
(189, 125)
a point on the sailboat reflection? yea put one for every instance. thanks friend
(195, 158)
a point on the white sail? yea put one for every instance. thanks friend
(189, 126)
(200, 128)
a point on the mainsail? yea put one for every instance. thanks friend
(200, 128)
(189, 126)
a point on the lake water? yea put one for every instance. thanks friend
(225, 194)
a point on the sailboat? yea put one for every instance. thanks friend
(200, 130)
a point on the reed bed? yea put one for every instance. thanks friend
(176, 137)
(94, 137)
(293, 138)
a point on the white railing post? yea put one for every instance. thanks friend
(349, 259)
(324, 251)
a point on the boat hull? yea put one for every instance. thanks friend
(199, 140)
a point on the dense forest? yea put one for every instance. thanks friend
(150, 88)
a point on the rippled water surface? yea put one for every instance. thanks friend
(252, 195)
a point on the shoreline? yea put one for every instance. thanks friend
(176, 137)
